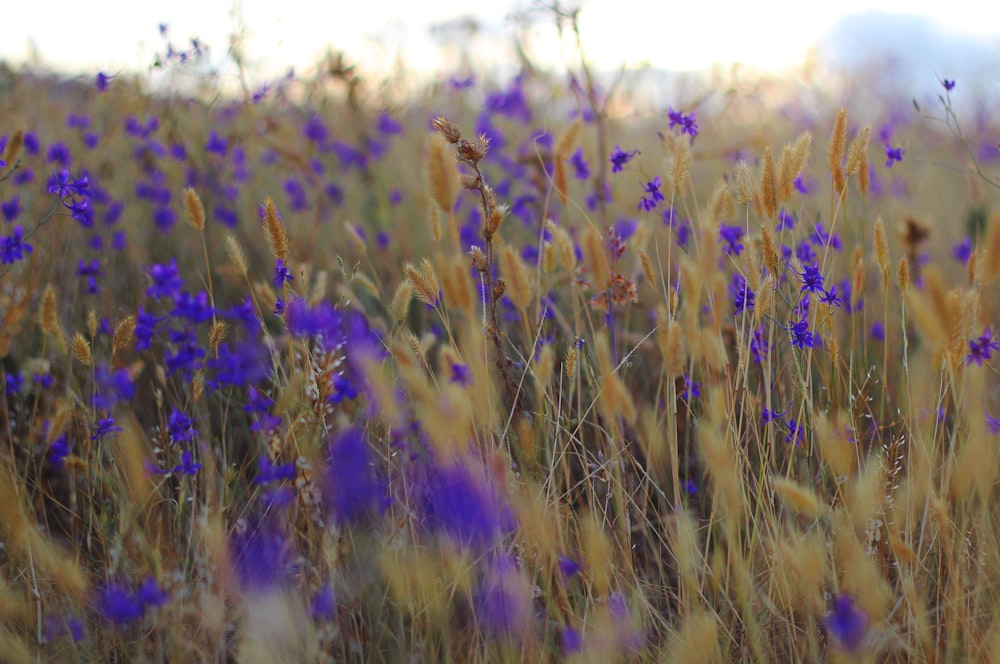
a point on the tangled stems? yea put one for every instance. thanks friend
(471, 154)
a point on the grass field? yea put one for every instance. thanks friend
(500, 370)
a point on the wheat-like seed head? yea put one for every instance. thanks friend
(14, 146)
(355, 239)
(881, 250)
(903, 273)
(81, 350)
(194, 209)
(236, 255)
(595, 257)
(838, 141)
(124, 335)
(48, 314)
(274, 230)
(442, 175)
(990, 260)
(721, 204)
(858, 150)
(769, 185)
(744, 183)
(681, 167)
(520, 287)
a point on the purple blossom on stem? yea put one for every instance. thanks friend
(982, 348)
(619, 158)
(847, 624)
(13, 247)
(653, 189)
(282, 274)
(892, 155)
(687, 123)
(732, 235)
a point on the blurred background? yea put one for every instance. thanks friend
(955, 40)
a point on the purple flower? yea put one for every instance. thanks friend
(354, 489)
(324, 604)
(268, 472)
(892, 155)
(982, 348)
(458, 502)
(58, 451)
(167, 280)
(743, 298)
(580, 167)
(246, 363)
(962, 251)
(847, 624)
(104, 428)
(653, 189)
(11, 209)
(386, 125)
(619, 158)
(118, 605)
(685, 122)
(831, 298)
(568, 567)
(812, 279)
(795, 432)
(13, 247)
(771, 416)
(993, 424)
(949, 85)
(801, 336)
(216, 144)
(759, 345)
(692, 390)
(282, 274)
(786, 221)
(878, 331)
(102, 81)
(732, 235)
(260, 554)
(461, 374)
(571, 641)
(503, 605)
(180, 427)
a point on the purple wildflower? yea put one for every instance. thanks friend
(732, 235)
(982, 348)
(354, 489)
(685, 122)
(847, 624)
(892, 155)
(13, 247)
(812, 279)
(619, 158)
(653, 189)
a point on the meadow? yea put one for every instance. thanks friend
(505, 369)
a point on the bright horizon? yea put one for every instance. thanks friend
(773, 35)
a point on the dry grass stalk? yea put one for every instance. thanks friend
(990, 260)
(838, 142)
(81, 350)
(274, 230)
(881, 250)
(443, 176)
(595, 257)
(681, 167)
(124, 336)
(520, 286)
(14, 147)
(423, 280)
(456, 285)
(721, 205)
(858, 150)
(400, 306)
(647, 268)
(194, 209)
(769, 185)
(745, 186)
(236, 255)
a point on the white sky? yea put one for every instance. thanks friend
(117, 35)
